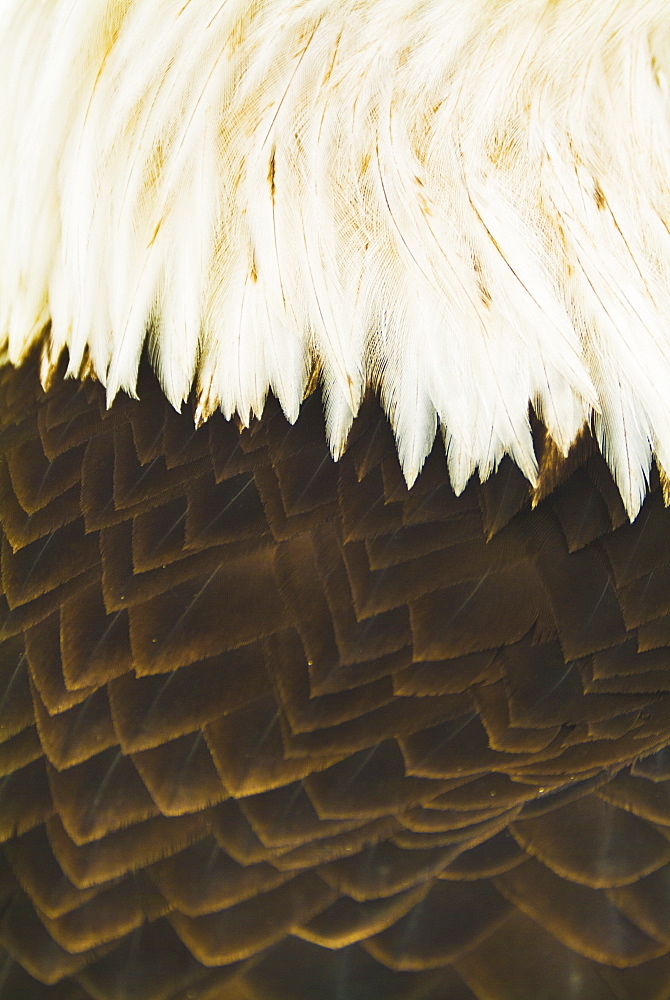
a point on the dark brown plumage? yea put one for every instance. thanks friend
(275, 728)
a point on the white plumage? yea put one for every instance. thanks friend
(462, 203)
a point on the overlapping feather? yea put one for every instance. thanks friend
(463, 203)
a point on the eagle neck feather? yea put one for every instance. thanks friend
(463, 204)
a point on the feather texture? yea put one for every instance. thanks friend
(275, 728)
(462, 204)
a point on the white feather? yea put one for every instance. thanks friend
(464, 204)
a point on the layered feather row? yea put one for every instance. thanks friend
(461, 203)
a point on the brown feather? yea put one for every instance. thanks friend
(274, 727)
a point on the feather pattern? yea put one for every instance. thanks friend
(464, 205)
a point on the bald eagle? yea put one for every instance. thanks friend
(334, 472)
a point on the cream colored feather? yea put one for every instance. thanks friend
(463, 203)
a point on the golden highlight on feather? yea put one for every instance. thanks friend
(462, 203)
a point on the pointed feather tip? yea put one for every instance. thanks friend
(665, 484)
(411, 456)
(112, 391)
(633, 498)
(345, 244)
(341, 404)
(176, 391)
(339, 416)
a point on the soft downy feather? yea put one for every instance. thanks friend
(462, 204)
